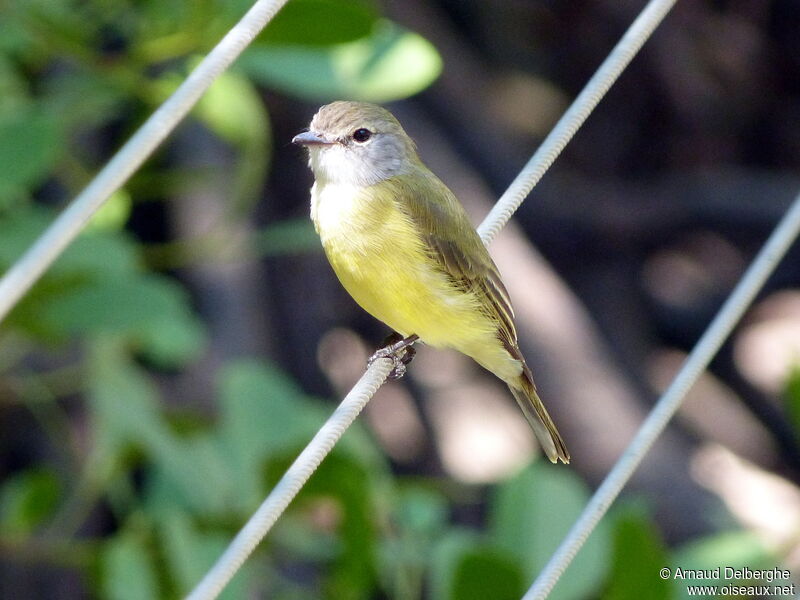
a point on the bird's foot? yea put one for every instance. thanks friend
(399, 350)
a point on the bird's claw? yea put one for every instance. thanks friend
(399, 351)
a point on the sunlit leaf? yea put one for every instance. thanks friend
(390, 64)
(114, 213)
(233, 110)
(320, 22)
(531, 514)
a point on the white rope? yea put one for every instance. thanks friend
(292, 481)
(27, 270)
(614, 64)
(708, 345)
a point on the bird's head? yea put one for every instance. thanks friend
(356, 143)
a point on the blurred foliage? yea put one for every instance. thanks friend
(104, 324)
(793, 398)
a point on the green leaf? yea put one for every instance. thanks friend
(26, 499)
(30, 141)
(320, 22)
(390, 64)
(529, 517)
(233, 110)
(66, 21)
(123, 400)
(639, 554)
(263, 410)
(486, 573)
(97, 286)
(114, 306)
(91, 255)
(173, 342)
(182, 548)
(98, 254)
(161, 18)
(151, 310)
(193, 477)
(190, 472)
(128, 570)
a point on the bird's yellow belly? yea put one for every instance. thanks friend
(409, 297)
(381, 261)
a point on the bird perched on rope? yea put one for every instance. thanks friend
(403, 247)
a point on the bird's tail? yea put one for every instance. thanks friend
(536, 414)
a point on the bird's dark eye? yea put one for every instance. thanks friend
(362, 135)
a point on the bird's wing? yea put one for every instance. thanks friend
(451, 240)
(454, 244)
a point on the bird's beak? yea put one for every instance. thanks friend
(309, 138)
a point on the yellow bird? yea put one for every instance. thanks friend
(403, 247)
